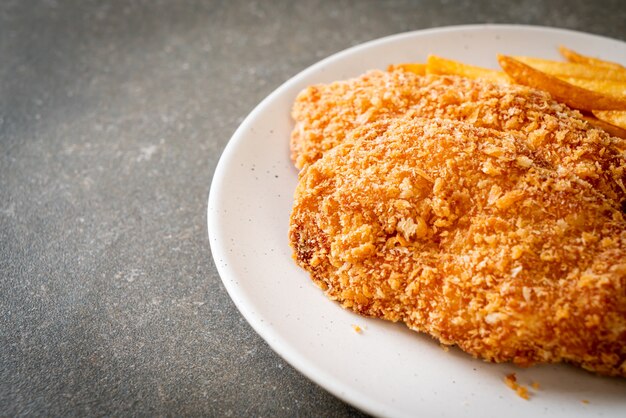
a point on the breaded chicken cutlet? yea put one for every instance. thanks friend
(471, 235)
(325, 114)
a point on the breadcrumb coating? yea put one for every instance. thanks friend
(473, 235)
(325, 114)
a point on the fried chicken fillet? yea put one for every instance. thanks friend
(325, 114)
(470, 235)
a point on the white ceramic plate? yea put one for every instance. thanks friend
(387, 369)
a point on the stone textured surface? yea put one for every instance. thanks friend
(112, 118)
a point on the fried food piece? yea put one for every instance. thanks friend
(413, 67)
(470, 235)
(443, 66)
(615, 89)
(570, 94)
(325, 114)
(611, 129)
(573, 56)
(615, 117)
(575, 69)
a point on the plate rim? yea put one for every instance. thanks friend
(288, 353)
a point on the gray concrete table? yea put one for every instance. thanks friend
(112, 118)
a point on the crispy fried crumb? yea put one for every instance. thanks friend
(585, 401)
(535, 385)
(511, 381)
(357, 329)
(325, 115)
(522, 392)
(519, 262)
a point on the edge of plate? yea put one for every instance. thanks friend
(276, 343)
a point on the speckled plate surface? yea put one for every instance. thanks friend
(386, 369)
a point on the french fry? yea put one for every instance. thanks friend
(614, 117)
(612, 88)
(573, 69)
(443, 66)
(562, 91)
(573, 56)
(611, 129)
(411, 67)
(585, 83)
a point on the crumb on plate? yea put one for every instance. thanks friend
(521, 390)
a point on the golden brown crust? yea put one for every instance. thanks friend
(325, 114)
(471, 235)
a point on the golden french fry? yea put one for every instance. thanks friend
(443, 66)
(611, 129)
(612, 88)
(576, 97)
(412, 67)
(573, 56)
(614, 117)
(573, 69)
